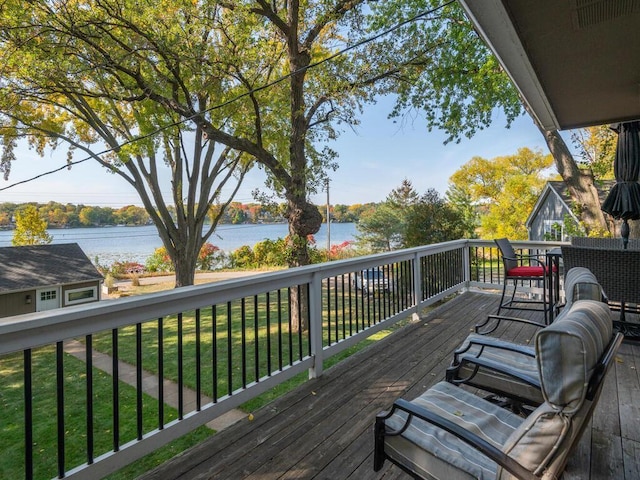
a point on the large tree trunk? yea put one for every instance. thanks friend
(580, 183)
(185, 265)
(304, 218)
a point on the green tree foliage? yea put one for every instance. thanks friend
(407, 219)
(432, 220)
(31, 229)
(381, 229)
(209, 258)
(596, 148)
(123, 74)
(504, 189)
(384, 227)
(131, 215)
(144, 66)
(159, 261)
(459, 199)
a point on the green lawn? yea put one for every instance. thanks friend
(270, 335)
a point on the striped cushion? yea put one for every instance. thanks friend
(423, 447)
(509, 363)
(581, 284)
(567, 351)
(538, 438)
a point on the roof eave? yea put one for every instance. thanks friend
(493, 24)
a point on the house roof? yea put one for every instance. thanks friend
(560, 189)
(575, 62)
(37, 266)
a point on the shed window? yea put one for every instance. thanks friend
(553, 230)
(81, 295)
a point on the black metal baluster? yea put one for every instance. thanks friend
(344, 307)
(300, 320)
(393, 287)
(28, 415)
(350, 306)
(404, 286)
(214, 352)
(290, 325)
(89, 396)
(279, 302)
(229, 351)
(336, 303)
(308, 323)
(198, 363)
(243, 320)
(60, 405)
(329, 315)
(180, 369)
(160, 374)
(372, 297)
(256, 337)
(115, 390)
(139, 380)
(268, 308)
(383, 292)
(355, 293)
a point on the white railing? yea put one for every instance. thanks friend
(245, 340)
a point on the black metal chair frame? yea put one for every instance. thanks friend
(511, 260)
(594, 389)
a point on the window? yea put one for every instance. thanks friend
(553, 230)
(81, 295)
(48, 295)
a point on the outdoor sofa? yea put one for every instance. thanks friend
(448, 432)
(509, 369)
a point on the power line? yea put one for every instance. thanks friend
(241, 96)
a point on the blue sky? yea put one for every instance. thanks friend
(374, 159)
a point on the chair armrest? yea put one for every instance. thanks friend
(500, 318)
(494, 343)
(519, 257)
(466, 436)
(491, 365)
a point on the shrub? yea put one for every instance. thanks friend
(120, 269)
(209, 257)
(243, 257)
(159, 261)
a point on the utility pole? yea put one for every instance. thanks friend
(328, 219)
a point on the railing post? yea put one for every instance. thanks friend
(417, 285)
(315, 324)
(466, 264)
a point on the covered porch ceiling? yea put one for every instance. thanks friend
(575, 62)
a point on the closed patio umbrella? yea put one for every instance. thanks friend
(623, 201)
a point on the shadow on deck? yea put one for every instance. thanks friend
(324, 429)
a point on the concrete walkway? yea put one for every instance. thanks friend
(127, 374)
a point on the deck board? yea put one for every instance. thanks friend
(324, 429)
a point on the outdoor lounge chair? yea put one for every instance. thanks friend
(509, 369)
(448, 432)
(520, 268)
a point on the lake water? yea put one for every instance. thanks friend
(111, 244)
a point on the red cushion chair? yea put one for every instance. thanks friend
(520, 268)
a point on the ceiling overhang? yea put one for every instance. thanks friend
(576, 63)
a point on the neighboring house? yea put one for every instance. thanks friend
(546, 221)
(41, 277)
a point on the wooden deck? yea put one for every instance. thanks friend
(324, 429)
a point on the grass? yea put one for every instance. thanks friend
(45, 420)
(215, 381)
